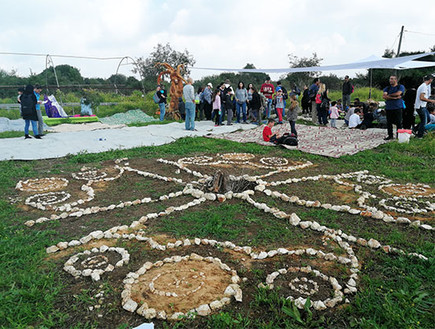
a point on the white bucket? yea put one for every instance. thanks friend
(404, 135)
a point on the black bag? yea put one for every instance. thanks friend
(27, 105)
(290, 140)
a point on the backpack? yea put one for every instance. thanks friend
(291, 140)
(156, 98)
(325, 103)
(27, 104)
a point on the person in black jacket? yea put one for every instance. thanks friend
(229, 105)
(255, 104)
(347, 90)
(28, 111)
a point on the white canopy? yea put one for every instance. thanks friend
(373, 62)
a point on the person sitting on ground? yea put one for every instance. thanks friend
(381, 117)
(431, 125)
(349, 112)
(268, 136)
(368, 119)
(355, 119)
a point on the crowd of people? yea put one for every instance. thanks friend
(246, 104)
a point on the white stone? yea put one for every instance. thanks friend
(305, 224)
(52, 249)
(150, 313)
(130, 305)
(294, 219)
(203, 310)
(262, 255)
(216, 304)
(319, 305)
(372, 243)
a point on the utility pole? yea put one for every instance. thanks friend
(400, 41)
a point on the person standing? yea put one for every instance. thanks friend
(312, 93)
(28, 111)
(346, 91)
(161, 93)
(189, 97)
(306, 101)
(37, 92)
(284, 94)
(228, 103)
(393, 105)
(421, 100)
(292, 114)
(279, 104)
(207, 95)
(267, 89)
(255, 104)
(241, 97)
(216, 98)
(333, 115)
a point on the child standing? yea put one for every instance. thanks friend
(292, 114)
(334, 114)
(216, 99)
(279, 101)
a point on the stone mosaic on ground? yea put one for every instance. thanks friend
(169, 278)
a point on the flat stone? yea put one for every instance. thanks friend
(373, 244)
(130, 305)
(52, 249)
(203, 310)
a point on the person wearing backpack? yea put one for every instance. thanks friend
(28, 103)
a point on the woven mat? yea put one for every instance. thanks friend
(325, 141)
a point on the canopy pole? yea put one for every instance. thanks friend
(370, 90)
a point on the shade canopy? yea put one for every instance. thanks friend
(373, 62)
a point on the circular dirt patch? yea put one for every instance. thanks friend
(180, 285)
(42, 184)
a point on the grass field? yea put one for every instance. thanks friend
(394, 291)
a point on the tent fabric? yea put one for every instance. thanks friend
(398, 63)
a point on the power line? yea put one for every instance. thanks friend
(64, 56)
(420, 33)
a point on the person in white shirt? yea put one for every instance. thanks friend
(189, 96)
(355, 119)
(421, 100)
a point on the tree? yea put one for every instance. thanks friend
(163, 54)
(302, 78)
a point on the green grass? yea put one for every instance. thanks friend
(395, 292)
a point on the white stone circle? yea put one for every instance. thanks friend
(407, 190)
(237, 156)
(46, 199)
(91, 174)
(183, 278)
(274, 161)
(199, 160)
(42, 184)
(93, 263)
(300, 285)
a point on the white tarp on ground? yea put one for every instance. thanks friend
(15, 125)
(397, 63)
(57, 145)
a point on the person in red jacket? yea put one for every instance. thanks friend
(267, 89)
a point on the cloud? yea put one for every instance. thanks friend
(218, 34)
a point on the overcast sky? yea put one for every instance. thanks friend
(221, 34)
